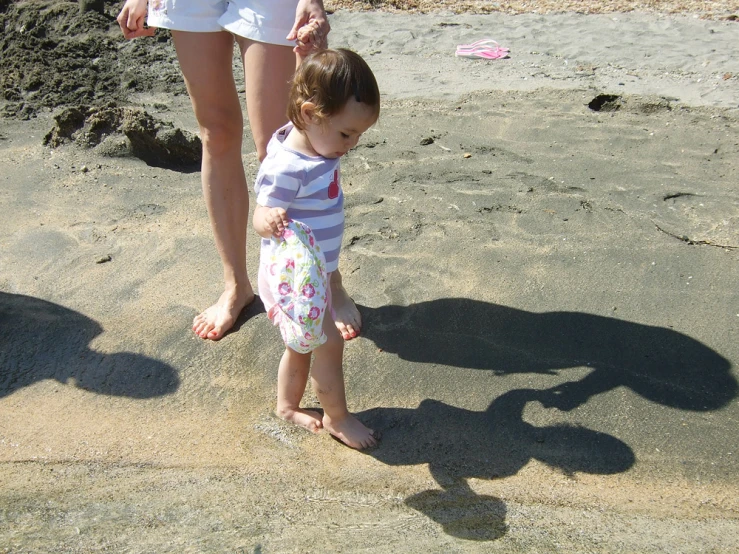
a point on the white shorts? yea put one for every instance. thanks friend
(261, 20)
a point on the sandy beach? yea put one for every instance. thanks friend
(543, 248)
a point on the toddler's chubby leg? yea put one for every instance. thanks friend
(328, 382)
(292, 377)
(348, 320)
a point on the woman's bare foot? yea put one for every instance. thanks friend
(214, 322)
(308, 419)
(350, 431)
(346, 315)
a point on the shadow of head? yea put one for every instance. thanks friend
(462, 513)
(660, 364)
(459, 444)
(41, 340)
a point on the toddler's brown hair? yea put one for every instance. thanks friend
(328, 79)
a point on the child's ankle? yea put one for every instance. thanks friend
(336, 417)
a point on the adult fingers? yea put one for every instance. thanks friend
(147, 32)
(142, 32)
(324, 27)
(321, 41)
(132, 25)
(122, 20)
(300, 20)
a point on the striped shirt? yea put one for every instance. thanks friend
(309, 188)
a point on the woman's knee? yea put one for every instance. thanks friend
(221, 135)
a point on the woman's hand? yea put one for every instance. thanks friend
(132, 19)
(311, 27)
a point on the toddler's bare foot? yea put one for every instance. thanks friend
(308, 419)
(346, 315)
(214, 322)
(350, 431)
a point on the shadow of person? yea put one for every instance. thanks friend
(659, 364)
(459, 444)
(41, 340)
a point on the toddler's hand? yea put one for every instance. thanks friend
(277, 220)
(311, 27)
(309, 37)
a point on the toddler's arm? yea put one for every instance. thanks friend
(270, 222)
(310, 29)
(309, 38)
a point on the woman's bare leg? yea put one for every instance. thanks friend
(292, 378)
(207, 66)
(268, 69)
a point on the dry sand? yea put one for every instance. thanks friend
(544, 249)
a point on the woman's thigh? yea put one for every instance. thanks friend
(268, 69)
(206, 61)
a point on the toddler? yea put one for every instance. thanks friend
(333, 99)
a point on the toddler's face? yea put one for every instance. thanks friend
(336, 135)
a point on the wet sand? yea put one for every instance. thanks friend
(544, 251)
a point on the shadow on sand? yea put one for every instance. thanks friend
(661, 365)
(41, 340)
